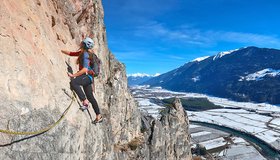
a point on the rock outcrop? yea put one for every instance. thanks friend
(35, 87)
(167, 137)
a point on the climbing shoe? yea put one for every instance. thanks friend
(83, 107)
(98, 121)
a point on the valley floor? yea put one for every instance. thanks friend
(222, 145)
(260, 120)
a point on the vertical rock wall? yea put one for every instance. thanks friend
(33, 79)
(35, 87)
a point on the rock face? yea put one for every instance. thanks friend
(167, 138)
(35, 87)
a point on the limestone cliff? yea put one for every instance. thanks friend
(35, 87)
(168, 137)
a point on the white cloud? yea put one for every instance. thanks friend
(189, 35)
(138, 75)
(142, 75)
(132, 55)
(176, 57)
(157, 30)
(241, 37)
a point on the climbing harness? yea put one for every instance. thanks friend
(45, 129)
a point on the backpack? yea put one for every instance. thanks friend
(95, 63)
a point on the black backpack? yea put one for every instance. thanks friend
(95, 63)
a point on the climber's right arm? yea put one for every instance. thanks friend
(65, 52)
(71, 53)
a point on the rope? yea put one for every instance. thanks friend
(42, 130)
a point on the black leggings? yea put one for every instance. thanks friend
(84, 81)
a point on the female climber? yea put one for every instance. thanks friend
(84, 77)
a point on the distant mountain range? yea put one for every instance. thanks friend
(139, 78)
(245, 74)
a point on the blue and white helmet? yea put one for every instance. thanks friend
(88, 43)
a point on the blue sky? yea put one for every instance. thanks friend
(156, 36)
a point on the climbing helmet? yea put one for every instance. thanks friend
(88, 43)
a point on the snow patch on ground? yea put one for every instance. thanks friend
(195, 79)
(276, 121)
(214, 143)
(258, 76)
(200, 133)
(193, 126)
(148, 107)
(253, 124)
(242, 152)
(226, 146)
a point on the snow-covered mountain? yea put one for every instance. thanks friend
(139, 78)
(245, 74)
(221, 54)
(200, 59)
